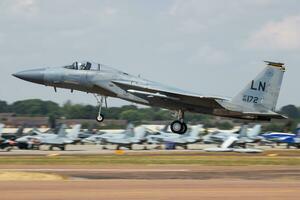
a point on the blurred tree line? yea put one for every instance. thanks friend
(37, 107)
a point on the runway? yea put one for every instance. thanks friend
(152, 175)
(150, 189)
(164, 172)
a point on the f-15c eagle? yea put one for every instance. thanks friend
(257, 101)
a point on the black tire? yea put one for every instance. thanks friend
(100, 118)
(62, 148)
(176, 126)
(184, 128)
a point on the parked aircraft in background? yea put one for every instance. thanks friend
(60, 140)
(219, 136)
(13, 135)
(249, 136)
(225, 146)
(257, 101)
(189, 137)
(160, 136)
(5, 144)
(290, 139)
(244, 135)
(229, 146)
(135, 136)
(238, 142)
(103, 137)
(32, 139)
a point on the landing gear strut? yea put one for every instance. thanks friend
(179, 126)
(100, 100)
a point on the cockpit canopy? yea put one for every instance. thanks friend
(84, 66)
(91, 66)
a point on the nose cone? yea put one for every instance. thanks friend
(35, 75)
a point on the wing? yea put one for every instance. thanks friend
(168, 96)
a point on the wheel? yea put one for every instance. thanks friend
(176, 126)
(184, 128)
(100, 118)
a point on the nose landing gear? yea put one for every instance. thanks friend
(100, 100)
(179, 126)
(100, 118)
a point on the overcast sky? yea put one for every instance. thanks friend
(204, 46)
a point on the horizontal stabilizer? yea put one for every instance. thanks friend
(272, 115)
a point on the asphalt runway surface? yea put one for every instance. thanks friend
(150, 181)
(155, 182)
(164, 172)
(151, 189)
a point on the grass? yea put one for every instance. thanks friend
(213, 160)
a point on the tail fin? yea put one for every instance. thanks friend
(297, 132)
(1, 129)
(263, 91)
(129, 132)
(140, 132)
(62, 131)
(75, 131)
(243, 131)
(19, 132)
(195, 131)
(229, 142)
(255, 131)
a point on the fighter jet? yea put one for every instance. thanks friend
(136, 136)
(13, 135)
(59, 140)
(251, 136)
(257, 101)
(244, 135)
(229, 145)
(161, 135)
(62, 138)
(5, 144)
(102, 138)
(290, 139)
(191, 137)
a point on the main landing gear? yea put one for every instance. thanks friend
(179, 126)
(100, 100)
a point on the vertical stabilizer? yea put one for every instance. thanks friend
(229, 142)
(74, 132)
(255, 131)
(1, 129)
(62, 131)
(243, 131)
(262, 92)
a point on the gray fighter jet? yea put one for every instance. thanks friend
(257, 101)
(134, 136)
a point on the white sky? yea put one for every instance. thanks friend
(208, 47)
